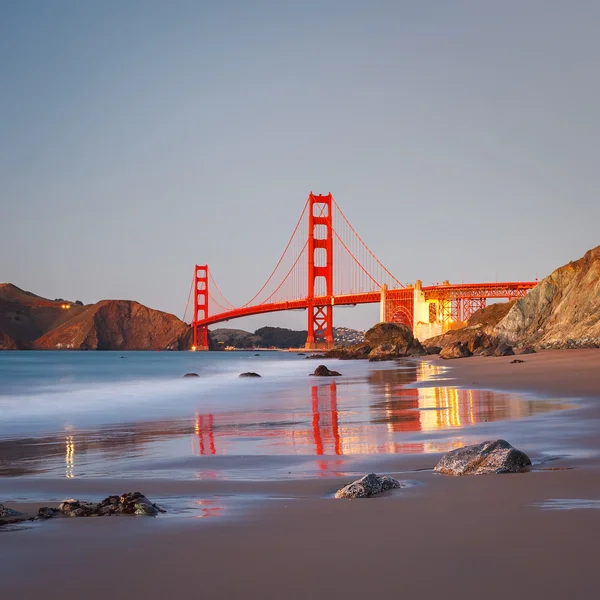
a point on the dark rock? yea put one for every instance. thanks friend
(503, 350)
(433, 349)
(249, 374)
(301, 354)
(191, 375)
(383, 352)
(45, 512)
(516, 361)
(323, 371)
(457, 350)
(131, 503)
(316, 356)
(355, 352)
(524, 350)
(489, 457)
(395, 334)
(9, 512)
(257, 355)
(392, 340)
(369, 485)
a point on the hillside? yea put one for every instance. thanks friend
(118, 325)
(563, 310)
(25, 317)
(238, 338)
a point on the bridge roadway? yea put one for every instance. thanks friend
(508, 290)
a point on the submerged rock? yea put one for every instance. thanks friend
(250, 374)
(489, 457)
(456, 350)
(369, 485)
(323, 371)
(191, 375)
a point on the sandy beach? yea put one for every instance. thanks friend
(509, 536)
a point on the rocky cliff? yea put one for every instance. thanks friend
(118, 325)
(563, 310)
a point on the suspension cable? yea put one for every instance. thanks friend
(367, 247)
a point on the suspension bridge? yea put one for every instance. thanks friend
(326, 264)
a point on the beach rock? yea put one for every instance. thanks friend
(383, 352)
(369, 485)
(132, 503)
(74, 508)
(354, 352)
(135, 503)
(516, 361)
(392, 340)
(489, 457)
(432, 348)
(457, 350)
(249, 374)
(323, 371)
(503, 350)
(191, 375)
(45, 512)
(524, 350)
(9, 512)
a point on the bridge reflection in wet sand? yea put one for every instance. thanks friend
(387, 411)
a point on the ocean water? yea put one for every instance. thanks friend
(125, 414)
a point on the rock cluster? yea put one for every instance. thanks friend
(131, 503)
(384, 341)
(489, 457)
(477, 337)
(367, 486)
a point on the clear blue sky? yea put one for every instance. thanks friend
(140, 137)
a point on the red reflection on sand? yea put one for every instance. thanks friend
(204, 427)
(325, 422)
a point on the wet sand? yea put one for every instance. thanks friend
(470, 537)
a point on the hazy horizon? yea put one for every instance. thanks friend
(143, 137)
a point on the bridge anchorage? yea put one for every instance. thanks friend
(325, 264)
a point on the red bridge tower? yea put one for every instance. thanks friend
(320, 272)
(200, 307)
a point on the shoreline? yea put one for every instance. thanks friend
(446, 536)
